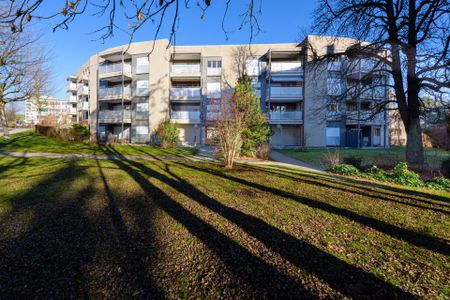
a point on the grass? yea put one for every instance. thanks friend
(29, 141)
(380, 157)
(140, 229)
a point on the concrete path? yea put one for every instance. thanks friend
(283, 159)
(14, 130)
(106, 157)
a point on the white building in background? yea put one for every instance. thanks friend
(49, 110)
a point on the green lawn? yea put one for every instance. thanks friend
(139, 229)
(379, 157)
(31, 142)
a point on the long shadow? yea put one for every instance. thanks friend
(355, 189)
(419, 239)
(264, 279)
(134, 265)
(46, 260)
(340, 275)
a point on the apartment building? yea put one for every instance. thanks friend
(50, 110)
(125, 92)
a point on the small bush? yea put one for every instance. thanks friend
(345, 169)
(403, 176)
(438, 183)
(167, 134)
(355, 161)
(377, 173)
(331, 159)
(80, 133)
(263, 151)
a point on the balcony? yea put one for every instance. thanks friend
(72, 111)
(185, 116)
(72, 98)
(72, 87)
(114, 93)
(285, 117)
(185, 93)
(114, 71)
(83, 105)
(364, 117)
(214, 71)
(83, 90)
(185, 70)
(114, 116)
(334, 65)
(290, 92)
(286, 68)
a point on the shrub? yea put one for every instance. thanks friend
(355, 161)
(331, 159)
(79, 133)
(263, 151)
(345, 169)
(403, 176)
(167, 134)
(438, 183)
(377, 173)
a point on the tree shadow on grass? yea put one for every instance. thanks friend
(263, 280)
(416, 238)
(354, 188)
(341, 276)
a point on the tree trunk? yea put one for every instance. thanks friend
(3, 119)
(414, 146)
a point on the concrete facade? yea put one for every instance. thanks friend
(125, 92)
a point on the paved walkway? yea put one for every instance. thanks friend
(281, 158)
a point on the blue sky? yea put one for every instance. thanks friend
(71, 48)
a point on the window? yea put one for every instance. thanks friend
(252, 67)
(141, 130)
(141, 110)
(330, 49)
(142, 88)
(214, 68)
(352, 106)
(377, 132)
(333, 107)
(213, 89)
(335, 86)
(333, 136)
(142, 65)
(365, 106)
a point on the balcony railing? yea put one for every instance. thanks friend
(83, 90)
(286, 92)
(114, 116)
(185, 93)
(72, 87)
(114, 92)
(72, 98)
(185, 69)
(72, 111)
(83, 105)
(365, 116)
(213, 71)
(186, 115)
(110, 70)
(286, 67)
(285, 115)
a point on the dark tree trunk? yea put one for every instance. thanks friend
(414, 146)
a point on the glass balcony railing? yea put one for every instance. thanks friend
(114, 92)
(114, 116)
(286, 92)
(185, 69)
(114, 69)
(72, 86)
(188, 115)
(285, 115)
(185, 93)
(286, 67)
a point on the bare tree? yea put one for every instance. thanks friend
(136, 14)
(410, 37)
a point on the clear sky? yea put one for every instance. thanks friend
(70, 49)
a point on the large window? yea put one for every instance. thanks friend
(142, 65)
(142, 88)
(333, 136)
(141, 110)
(141, 130)
(213, 89)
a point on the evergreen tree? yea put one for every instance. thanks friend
(257, 127)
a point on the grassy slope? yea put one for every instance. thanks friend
(31, 142)
(389, 156)
(128, 229)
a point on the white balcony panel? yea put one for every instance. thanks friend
(185, 93)
(72, 111)
(185, 69)
(185, 116)
(214, 71)
(112, 70)
(83, 105)
(286, 92)
(286, 67)
(72, 87)
(83, 90)
(285, 117)
(113, 93)
(364, 117)
(72, 98)
(114, 116)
